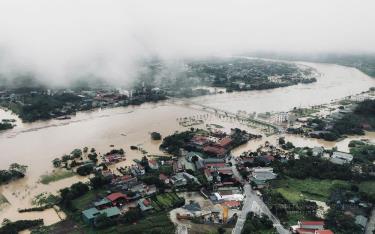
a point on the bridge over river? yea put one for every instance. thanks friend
(268, 127)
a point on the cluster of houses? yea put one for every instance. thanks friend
(217, 171)
(113, 158)
(352, 205)
(211, 145)
(218, 143)
(130, 193)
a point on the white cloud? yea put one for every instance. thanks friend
(60, 39)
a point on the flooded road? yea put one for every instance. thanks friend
(37, 144)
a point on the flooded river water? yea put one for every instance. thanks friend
(37, 144)
(335, 82)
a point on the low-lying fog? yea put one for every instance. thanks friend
(64, 39)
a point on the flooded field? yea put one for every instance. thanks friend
(37, 144)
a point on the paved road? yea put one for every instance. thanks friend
(181, 229)
(371, 223)
(254, 204)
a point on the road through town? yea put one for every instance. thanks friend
(253, 203)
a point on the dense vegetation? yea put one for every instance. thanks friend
(257, 224)
(173, 143)
(6, 124)
(283, 208)
(75, 191)
(9, 227)
(352, 123)
(363, 62)
(40, 106)
(39, 103)
(250, 74)
(363, 153)
(313, 167)
(15, 171)
(339, 222)
(155, 224)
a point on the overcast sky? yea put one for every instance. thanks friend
(61, 39)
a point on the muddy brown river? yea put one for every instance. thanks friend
(37, 144)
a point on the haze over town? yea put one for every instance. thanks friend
(187, 117)
(62, 40)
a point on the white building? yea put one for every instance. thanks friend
(341, 158)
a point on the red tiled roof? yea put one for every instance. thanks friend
(146, 202)
(225, 171)
(215, 165)
(214, 150)
(151, 161)
(224, 142)
(270, 157)
(201, 140)
(232, 203)
(305, 231)
(114, 196)
(324, 232)
(312, 223)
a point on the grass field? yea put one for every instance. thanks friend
(157, 223)
(165, 201)
(84, 202)
(295, 190)
(367, 187)
(55, 176)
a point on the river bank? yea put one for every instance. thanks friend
(37, 144)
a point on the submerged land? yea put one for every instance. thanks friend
(32, 101)
(193, 168)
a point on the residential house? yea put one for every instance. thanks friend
(225, 142)
(89, 215)
(125, 182)
(361, 220)
(137, 170)
(190, 155)
(317, 225)
(190, 177)
(232, 204)
(231, 197)
(145, 204)
(317, 151)
(102, 204)
(215, 150)
(117, 199)
(209, 162)
(341, 157)
(144, 190)
(113, 158)
(164, 178)
(263, 174)
(325, 231)
(153, 164)
(178, 180)
(199, 141)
